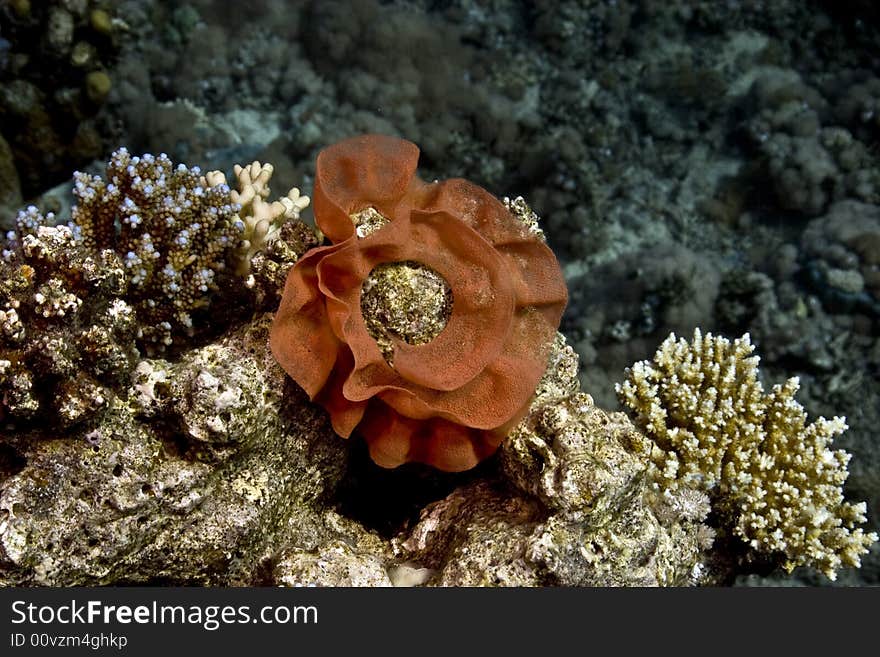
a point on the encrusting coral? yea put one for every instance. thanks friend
(66, 335)
(448, 401)
(773, 478)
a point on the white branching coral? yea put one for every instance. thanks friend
(773, 478)
(260, 219)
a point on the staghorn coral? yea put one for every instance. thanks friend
(447, 400)
(772, 477)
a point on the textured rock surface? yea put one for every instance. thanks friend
(155, 495)
(572, 506)
(216, 470)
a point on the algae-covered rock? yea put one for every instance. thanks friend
(477, 536)
(574, 506)
(142, 499)
(351, 556)
(215, 469)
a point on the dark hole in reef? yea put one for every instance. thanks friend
(732, 556)
(117, 470)
(382, 500)
(263, 573)
(174, 444)
(385, 500)
(11, 462)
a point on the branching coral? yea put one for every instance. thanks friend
(145, 249)
(774, 478)
(448, 399)
(175, 230)
(261, 219)
(66, 336)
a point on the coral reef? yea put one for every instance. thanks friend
(690, 160)
(809, 165)
(447, 401)
(261, 220)
(145, 249)
(10, 186)
(196, 502)
(843, 251)
(55, 81)
(215, 472)
(772, 477)
(627, 302)
(178, 232)
(215, 469)
(68, 335)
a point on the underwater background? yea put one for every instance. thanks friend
(694, 164)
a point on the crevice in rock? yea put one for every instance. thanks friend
(385, 500)
(11, 462)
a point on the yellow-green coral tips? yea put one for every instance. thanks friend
(22, 8)
(97, 86)
(101, 22)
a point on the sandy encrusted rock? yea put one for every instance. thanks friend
(588, 522)
(141, 500)
(352, 556)
(217, 470)
(573, 505)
